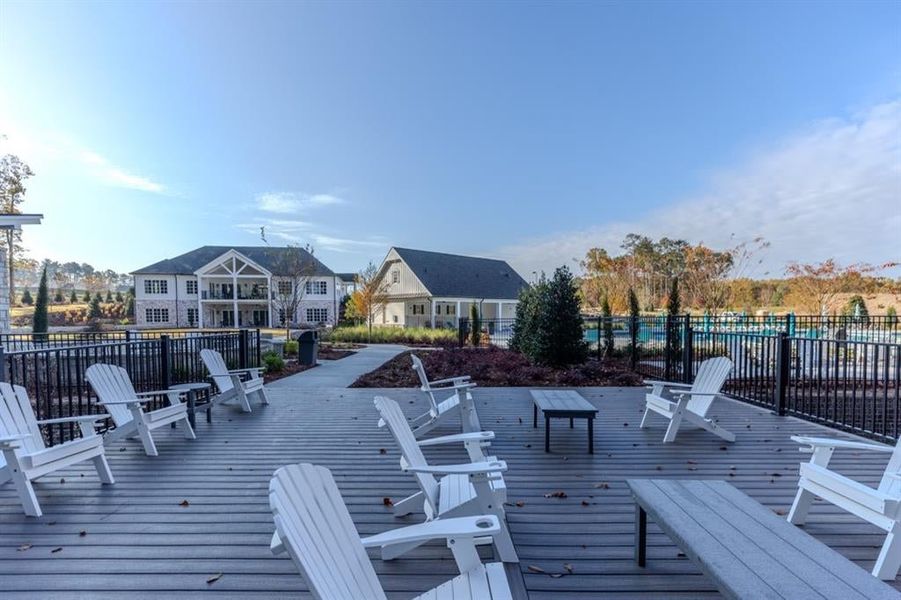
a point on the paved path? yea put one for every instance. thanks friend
(341, 373)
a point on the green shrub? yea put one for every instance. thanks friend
(291, 347)
(27, 299)
(39, 320)
(94, 311)
(109, 296)
(119, 297)
(87, 296)
(475, 325)
(548, 326)
(891, 317)
(391, 335)
(73, 297)
(272, 362)
(58, 297)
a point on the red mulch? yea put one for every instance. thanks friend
(292, 367)
(497, 367)
(326, 353)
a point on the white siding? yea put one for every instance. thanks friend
(408, 284)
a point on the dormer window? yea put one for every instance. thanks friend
(395, 276)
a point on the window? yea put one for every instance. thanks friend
(394, 318)
(285, 288)
(450, 309)
(192, 312)
(191, 287)
(437, 309)
(317, 315)
(156, 315)
(395, 276)
(156, 286)
(317, 288)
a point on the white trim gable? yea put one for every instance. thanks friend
(223, 266)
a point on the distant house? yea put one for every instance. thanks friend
(231, 286)
(347, 283)
(7, 222)
(434, 289)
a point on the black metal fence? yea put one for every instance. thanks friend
(54, 375)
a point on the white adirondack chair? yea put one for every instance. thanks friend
(237, 384)
(880, 506)
(116, 393)
(27, 458)
(459, 402)
(475, 488)
(313, 526)
(692, 400)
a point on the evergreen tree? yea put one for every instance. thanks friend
(475, 324)
(73, 297)
(634, 314)
(130, 307)
(673, 308)
(607, 320)
(58, 297)
(119, 297)
(559, 337)
(527, 316)
(27, 300)
(39, 321)
(87, 296)
(94, 311)
(109, 296)
(98, 297)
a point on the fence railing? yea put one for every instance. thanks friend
(55, 381)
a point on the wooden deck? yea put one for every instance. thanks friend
(139, 539)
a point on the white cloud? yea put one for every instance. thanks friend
(831, 190)
(102, 170)
(291, 231)
(292, 202)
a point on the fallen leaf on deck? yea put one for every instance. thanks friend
(55, 550)
(82, 533)
(535, 569)
(382, 451)
(520, 504)
(24, 547)
(568, 567)
(387, 501)
(214, 578)
(184, 504)
(556, 495)
(602, 485)
(779, 511)
(584, 503)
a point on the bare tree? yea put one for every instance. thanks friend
(370, 297)
(820, 283)
(13, 173)
(293, 267)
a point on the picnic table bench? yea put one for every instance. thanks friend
(564, 404)
(744, 548)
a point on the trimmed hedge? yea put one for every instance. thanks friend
(392, 335)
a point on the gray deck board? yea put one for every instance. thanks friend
(139, 540)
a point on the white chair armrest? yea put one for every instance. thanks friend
(128, 401)
(457, 527)
(653, 382)
(477, 436)
(275, 544)
(80, 419)
(461, 379)
(448, 388)
(8, 442)
(681, 393)
(815, 442)
(468, 469)
(161, 393)
(248, 370)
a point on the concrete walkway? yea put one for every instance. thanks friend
(341, 373)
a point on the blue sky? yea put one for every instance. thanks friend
(528, 131)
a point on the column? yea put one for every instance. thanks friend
(199, 302)
(500, 310)
(235, 291)
(432, 309)
(269, 300)
(458, 314)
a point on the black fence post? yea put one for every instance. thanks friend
(129, 365)
(165, 376)
(259, 351)
(633, 336)
(242, 349)
(667, 347)
(783, 365)
(3, 364)
(687, 352)
(600, 354)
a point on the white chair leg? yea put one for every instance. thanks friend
(243, 400)
(465, 554)
(503, 543)
(798, 513)
(409, 505)
(146, 439)
(889, 560)
(674, 424)
(644, 418)
(103, 470)
(5, 474)
(26, 493)
(186, 428)
(264, 397)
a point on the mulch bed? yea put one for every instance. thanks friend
(292, 367)
(337, 351)
(497, 367)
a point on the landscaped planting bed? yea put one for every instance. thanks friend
(392, 335)
(497, 367)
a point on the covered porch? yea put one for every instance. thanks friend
(234, 291)
(445, 313)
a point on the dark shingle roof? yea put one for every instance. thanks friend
(455, 276)
(348, 277)
(187, 263)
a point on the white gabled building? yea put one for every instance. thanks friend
(10, 221)
(434, 289)
(231, 286)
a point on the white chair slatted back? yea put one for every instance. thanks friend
(393, 416)
(112, 383)
(424, 381)
(711, 376)
(890, 484)
(17, 417)
(314, 525)
(215, 364)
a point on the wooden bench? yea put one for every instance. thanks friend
(745, 549)
(563, 404)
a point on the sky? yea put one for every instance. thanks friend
(525, 131)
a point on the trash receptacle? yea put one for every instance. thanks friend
(308, 347)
